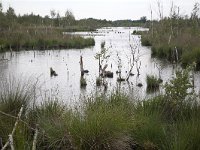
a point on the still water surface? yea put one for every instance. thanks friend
(66, 86)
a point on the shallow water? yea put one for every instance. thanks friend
(66, 86)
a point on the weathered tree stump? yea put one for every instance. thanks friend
(52, 72)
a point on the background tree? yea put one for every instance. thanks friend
(58, 20)
(53, 14)
(1, 7)
(196, 11)
(195, 17)
(143, 19)
(69, 18)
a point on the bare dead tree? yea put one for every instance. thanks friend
(159, 68)
(152, 27)
(160, 9)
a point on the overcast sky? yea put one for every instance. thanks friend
(100, 9)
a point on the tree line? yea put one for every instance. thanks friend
(10, 19)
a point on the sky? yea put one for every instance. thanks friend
(99, 9)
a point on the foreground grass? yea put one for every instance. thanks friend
(114, 122)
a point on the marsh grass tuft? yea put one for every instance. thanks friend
(83, 82)
(153, 83)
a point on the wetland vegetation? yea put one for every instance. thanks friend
(107, 119)
(168, 121)
(176, 37)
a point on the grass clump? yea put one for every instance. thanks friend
(191, 57)
(83, 82)
(104, 124)
(136, 32)
(153, 83)
(145, 41)
(13, 95)
(101, 123)
(103, 44)
(53, 120)
(98, 81)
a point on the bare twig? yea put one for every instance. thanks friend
(35, 138)
(13, 131)
(11, 142)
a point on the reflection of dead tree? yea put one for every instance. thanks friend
(133, 50)
(138, 65)
(159, 69)
(81, 67)
(134, 60)
(119, 66)
(4, 59)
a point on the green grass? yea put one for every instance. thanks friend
(42, 39)
(158, 129)
(98, 81)
(153, 83)
(145, 41)
(83, 82)
(103, 122)
(54, 121)
(191, 57)
(139, 33)
(169, 35)
(13, 95)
